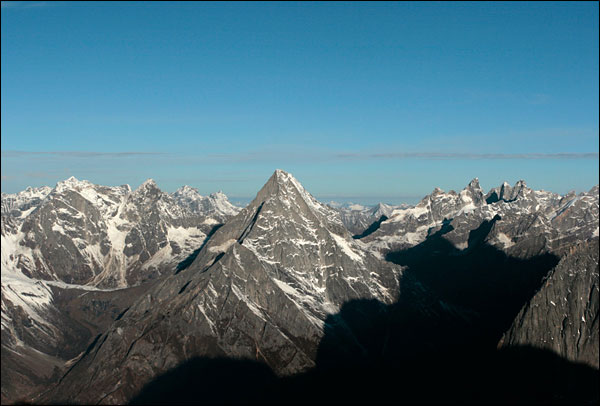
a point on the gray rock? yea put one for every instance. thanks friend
(80, 237)
(563, 315)
(260, 289)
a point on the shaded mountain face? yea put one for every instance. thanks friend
(563, 314)
(485, 256)
(260, 289)
(90, 239)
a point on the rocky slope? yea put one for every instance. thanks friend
(563, 315)
(90, 239)
(105, 288)
(109, 237)
(358, 218)
(260, 289)
(528, 222)
(495, 248)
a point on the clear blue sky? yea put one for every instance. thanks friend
(363, 100)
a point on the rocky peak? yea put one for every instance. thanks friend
(188, 197)
(218, 195)
(148, 188)
(472, 193)
(72, 180)
(285, 188)
(284, 218)
(263, 285)
(148, 184)
(474, 185)
(187, 192)
(520, 186)
(508, 193)
(279, 182)
(505, 191)
(71, 183)
(382, 209)
(25, 199)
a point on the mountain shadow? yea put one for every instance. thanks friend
(436, 344)
(370, 356)
(371, 229)
(373, 353)
(211, 381)
(480, 284)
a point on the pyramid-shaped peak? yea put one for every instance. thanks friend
(281, 172)
(283, 187)
(281, 179)
(282, 176)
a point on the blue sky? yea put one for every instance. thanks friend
(359, 101)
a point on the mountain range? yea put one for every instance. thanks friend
(105, 290)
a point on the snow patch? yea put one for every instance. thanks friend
(223, 247)
(346, 248)
(505, 240)
(210, 221)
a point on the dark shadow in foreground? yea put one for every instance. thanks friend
(436, 344)
(517, 375)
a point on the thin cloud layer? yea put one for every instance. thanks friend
(465, 156)
(308, 155)
(25, 4)
(80, 154)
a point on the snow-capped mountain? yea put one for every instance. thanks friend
(357, 218)
(94, 290)
(92, 239)
(528, 222)
(215, 206)
(87, 234)
(260, 289)
(20, 204)
(17, 206)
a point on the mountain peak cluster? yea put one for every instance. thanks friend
(112, 295)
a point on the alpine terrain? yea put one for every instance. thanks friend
(112, 296)
(73, 257)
